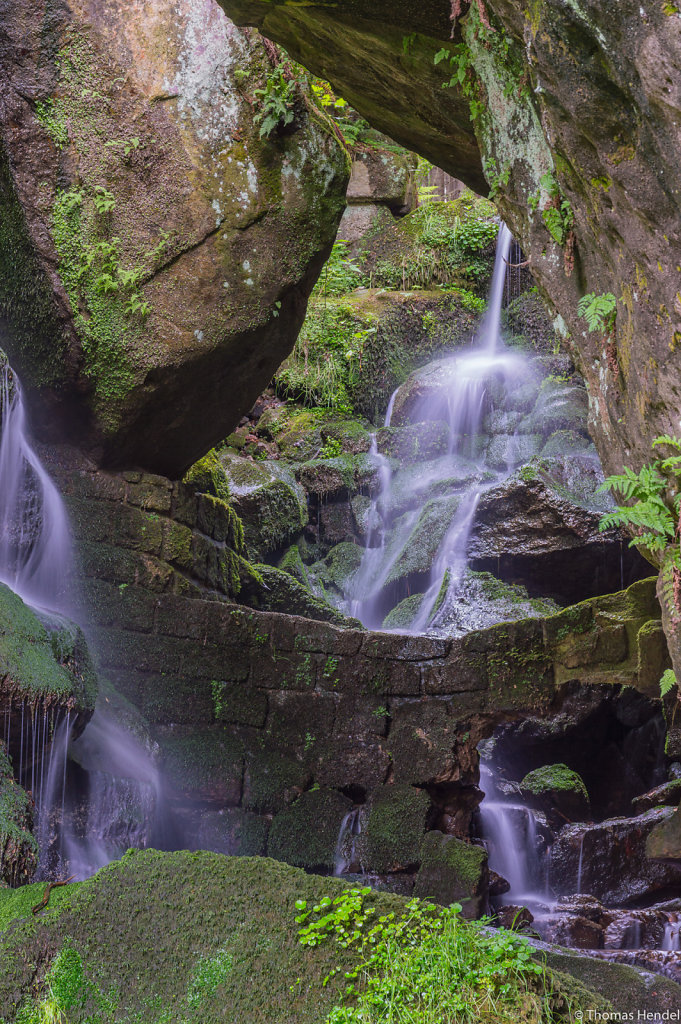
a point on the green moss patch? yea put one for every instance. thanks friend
(182, 938)
(306, 833)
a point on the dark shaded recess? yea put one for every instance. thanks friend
(570, 575)
(613, 739)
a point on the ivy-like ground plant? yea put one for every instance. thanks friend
(427, 965)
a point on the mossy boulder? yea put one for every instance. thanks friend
(306, 833)
(162, 252)
(404, 613)
(560, 405)
(559, 791)
(394, 829)
(191, 936)
(280, 592)
(336, 571)
(43, 663)
(18, 847)
(453, 871)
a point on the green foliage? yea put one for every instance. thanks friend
(332, 448)
(52, 116)
(277, 100)
(599, 311)
(425, 965)
(653, 514)
(326, 361)
(557, 215)
(349, 123)
(340, 274)
(471, 302)
(104, 200)
(667, 682)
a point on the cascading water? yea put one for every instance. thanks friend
(35, 544)
(121, 807)
(516, 851)
(466, 383)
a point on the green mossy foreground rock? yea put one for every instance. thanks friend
(181, 937)
(453, 871)
(156, 253)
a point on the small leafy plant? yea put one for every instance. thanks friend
(277, 101)
(667, 682)
(599, 311)
(104, 200)
(557, 215)
(424, 965)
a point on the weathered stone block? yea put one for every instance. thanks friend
(395, 827)
(306, 833)
(271, 779)
(453, 871)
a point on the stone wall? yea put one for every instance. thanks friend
(268, 723)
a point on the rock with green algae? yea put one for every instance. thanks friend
(404, 613)
(335, 572)
(167, 269)
(559, 791)
(39, 664)
(395, 825)
(182, 933)
(270, 504)
(453, 871)
(18, 847)
(306, 833)
(664, 842)
(277, 591)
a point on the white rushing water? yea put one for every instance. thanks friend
(36, 553)
(120, 804)
(460, 400)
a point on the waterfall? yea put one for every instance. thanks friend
(463, 394)
(35, 543)
(510, 831)
(121, 799)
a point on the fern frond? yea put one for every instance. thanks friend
(669, 439)
(667, 682)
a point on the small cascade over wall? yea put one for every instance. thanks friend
(77, 829)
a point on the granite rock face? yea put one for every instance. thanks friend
(157, 252)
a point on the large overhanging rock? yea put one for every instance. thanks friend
(156, 253)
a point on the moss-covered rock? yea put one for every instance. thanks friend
(404, 613)
(185, 935)
(453, 871)
(306, 833)
(336, 571)
(395, 827)
(18, 847)
(280, 592)
(38, 663)
(559, 791)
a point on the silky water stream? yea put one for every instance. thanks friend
(100, 793)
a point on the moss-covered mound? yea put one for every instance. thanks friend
(37, 664)
(188, 937)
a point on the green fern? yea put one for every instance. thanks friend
(599, 311)
(653, 513)
(667, 682)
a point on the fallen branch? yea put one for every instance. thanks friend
(514, 266)
(46, 895)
